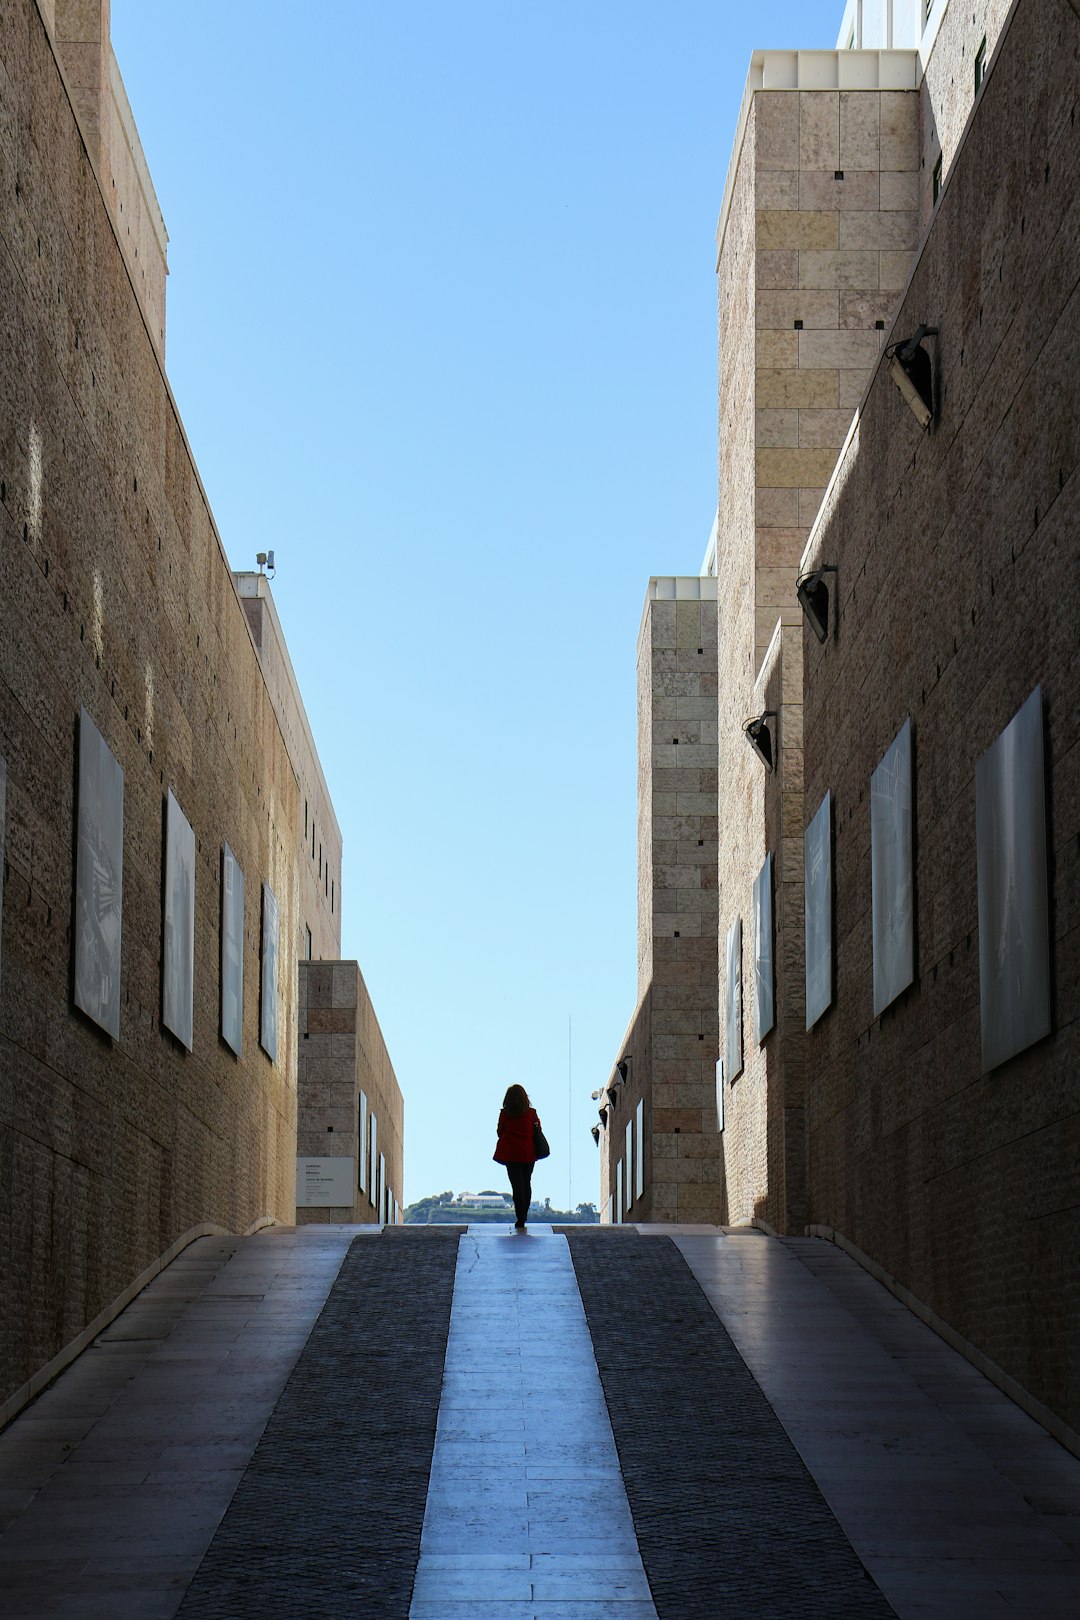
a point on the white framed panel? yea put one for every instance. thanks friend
(178, 954)
(818, 911)
(620, 1207)
(1014, 931)
(324, 1183)
(719, 1094)
(361, 1141)
(629, 1162)
(892, 872)
(380, 1202)
(232, 951)
(639, 1161)
(3, 845)
(99, 879)
(764, 970)
(373, 1161)
(733, 1001)
(268, 990)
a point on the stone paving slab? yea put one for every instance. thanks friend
(729, 1521)
(957, 1501)
(526, 1513)
(327, 1517)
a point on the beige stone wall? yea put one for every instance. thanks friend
(319, 862)
(957, 552)
(80, 34)
(816, 243)
(672, 1037)
(947, 93)
(342, 1051)
(117, 596)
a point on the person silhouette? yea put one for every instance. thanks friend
(516, 1148)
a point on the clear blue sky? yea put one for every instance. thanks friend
(442, 331)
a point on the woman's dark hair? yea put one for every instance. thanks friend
(516, 1101)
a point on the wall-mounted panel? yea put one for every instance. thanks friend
(892, 872)
(324, 1183)
(817, 857)
(3, 834)
(373, 1161)
(639, 1161)
(620, 1201)
(361, 1141)
(719, 1094)
(629, 1149)
(764, 970)
(1014, 935)
(380, 1202)
(99, 873)
(268, 997)
(232, 951)
(178, 954)
(733, 1001)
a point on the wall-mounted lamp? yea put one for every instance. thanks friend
(612, 1095)
(912, 370)
(596, 1134)
(623, 1065)
(813, 594)
(603, 1116)
(760, 739)
(596, 1095)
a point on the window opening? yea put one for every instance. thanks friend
(937, 178)
(980, 65)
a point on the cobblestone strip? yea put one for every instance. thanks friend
(327, 1518)
(730, 1524)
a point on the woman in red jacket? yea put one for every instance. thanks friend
(517, 1149)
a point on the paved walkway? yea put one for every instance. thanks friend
(178, 1462)
(526, 1513)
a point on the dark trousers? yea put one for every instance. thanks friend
(521, 1182)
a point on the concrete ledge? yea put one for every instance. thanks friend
(45, 1375)
(1004, 1381)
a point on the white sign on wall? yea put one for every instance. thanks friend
(323, 1183)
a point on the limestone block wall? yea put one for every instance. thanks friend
(342, 1053)
(116, 596)
(319, 862)
(958, 592)
(672, 1037)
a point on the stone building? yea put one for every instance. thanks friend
(155, 822)
(942, 1119)
(657, 1128)
(899, 872)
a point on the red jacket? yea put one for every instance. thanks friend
(515, 1145)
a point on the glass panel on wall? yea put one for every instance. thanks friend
(99, 872)
(1014, 934)
(639, 1161)
(268, 999)
(232, 950)
(629, 1162)
(361, 1142)
(764, 979)
(733, 1001)
(892, 876)
(817, 877)
(178, 956)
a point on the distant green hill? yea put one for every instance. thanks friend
(440, 1210)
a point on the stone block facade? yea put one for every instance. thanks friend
(349, 1102)
(816, 239)
(669, 1050)
(118, 598)
(958, 593)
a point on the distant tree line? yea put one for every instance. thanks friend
(440, 1210)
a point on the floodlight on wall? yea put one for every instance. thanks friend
(596, 1134)
(596, 1095)
(623, 1066)
(813, 594)
(912, 370)
(612, 1095)
(760, 739)
(603, 1116)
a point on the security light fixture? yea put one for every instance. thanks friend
(596, 1095)
(603, 1115)
(623, 1065)
(596, 1134)
(813, 594)
(912, 370)
(612, 1095)
(760, 739)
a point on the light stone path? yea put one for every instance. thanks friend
(956, 1501)
(526, 1514)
